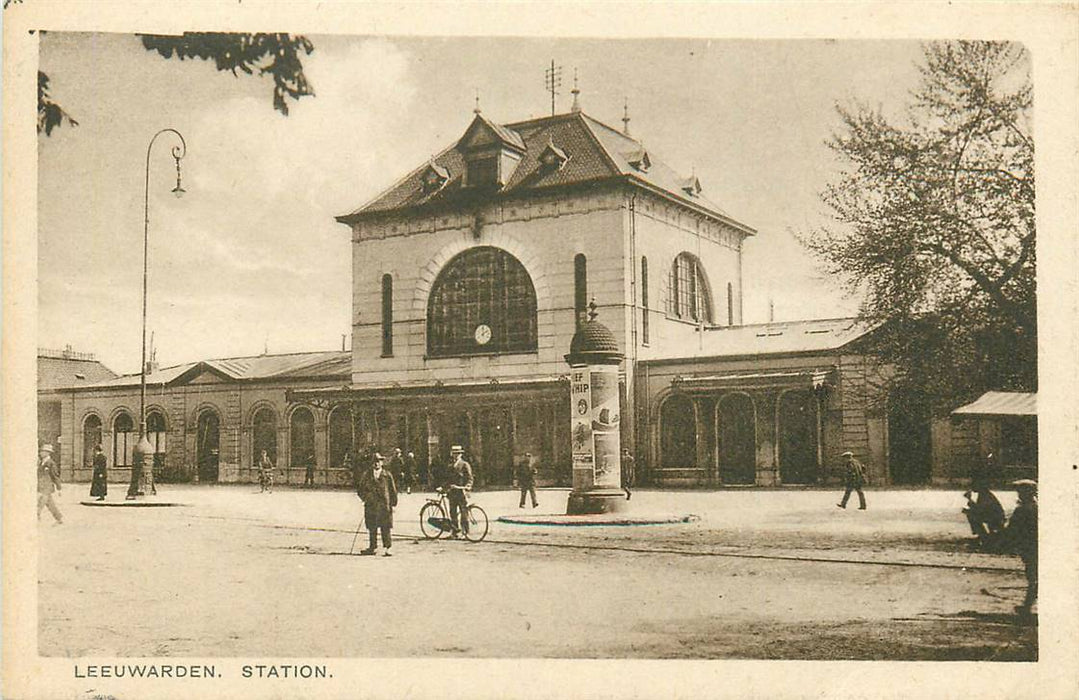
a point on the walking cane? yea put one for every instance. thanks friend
(354, 537)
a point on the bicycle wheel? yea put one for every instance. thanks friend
(477, 524)
(432, 517)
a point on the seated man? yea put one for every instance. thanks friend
(985, 515)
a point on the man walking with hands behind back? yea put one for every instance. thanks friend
(526, 480)
(460, 483)
(853, 479)
(378, 492)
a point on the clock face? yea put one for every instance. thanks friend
(483, 334)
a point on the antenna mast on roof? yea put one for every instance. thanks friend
(552, 80)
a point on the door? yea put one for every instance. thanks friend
(736, 433)
(798, 437)
(208, 446)
(909, 443)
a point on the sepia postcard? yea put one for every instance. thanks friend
(526, 350)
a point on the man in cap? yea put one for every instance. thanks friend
(526, 479)
(48, 480)
(853, 479)
(1022, 534)
(379, 495)
(460, 483)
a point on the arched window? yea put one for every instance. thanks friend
(264, 434)
(340, 435)
(644, 299)
(688, 295)
(91, 437)
(482, 302)
(387, 315)
(156, 433)
(123, 440)
(678, 432)
(580, 288)
(302, 438)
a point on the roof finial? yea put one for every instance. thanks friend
(552, 80)
(592, 313)
(576, 103)
(476, 109)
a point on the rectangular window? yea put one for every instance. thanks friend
(387, 315)
(483, 172)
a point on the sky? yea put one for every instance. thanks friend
(251, 257)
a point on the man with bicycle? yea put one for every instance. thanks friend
(458, 485)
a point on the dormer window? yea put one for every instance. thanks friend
(640, 160)
(434, 177)
(552, 157)
(491, 153)
(692, 186)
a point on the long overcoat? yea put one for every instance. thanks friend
(99, 484)
(379, 499)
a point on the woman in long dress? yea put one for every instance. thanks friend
(99, 485)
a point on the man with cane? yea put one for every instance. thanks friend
(378, 492)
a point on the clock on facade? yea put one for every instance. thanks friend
(483, 334)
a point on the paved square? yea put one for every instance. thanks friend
(762, 574)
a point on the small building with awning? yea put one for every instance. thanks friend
(1005, 424)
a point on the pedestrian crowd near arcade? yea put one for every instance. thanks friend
(545, 303)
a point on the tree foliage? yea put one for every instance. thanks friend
(934, 223)
(278, 55)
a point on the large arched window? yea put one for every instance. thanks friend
(91, 437)
(482, 302)
(340, 435)
(302, 438)
(678, 432)
(156, 433)
(688, 296)
(264, 434)
(123, 440)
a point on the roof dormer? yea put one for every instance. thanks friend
(639, 160)
(491, 153)
(434, 177)
(552, 157)
(691, 186)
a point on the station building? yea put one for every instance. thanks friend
(470, 276)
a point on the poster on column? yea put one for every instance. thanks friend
(605, 425)
(581, 429)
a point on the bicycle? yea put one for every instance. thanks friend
(435, 520)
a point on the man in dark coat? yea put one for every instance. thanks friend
(379, 494)
(985, 515)
(1022, 534)
(99, 482)
(459, 485)
(853, 479)
(526, 480)
(48, 480)
(399, 470)
(629, 477)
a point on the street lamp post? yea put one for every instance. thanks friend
(144, 449)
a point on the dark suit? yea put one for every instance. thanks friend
(526, 481)
(853, 479)
(379, 499)
(99, 483)
(1022, 534)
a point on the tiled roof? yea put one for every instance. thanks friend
(596, 153)
(54, 372)
(1001, 403)
(777, 338)
(330, 365)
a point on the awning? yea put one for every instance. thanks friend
(1001, 403)
(812, 378)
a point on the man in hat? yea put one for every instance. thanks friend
(853, 479)
(985, 514)
(1022, 534)
(48, 480)
(526, 479)
(460, 483)
(628, 472)
(378, 492)
(397, 467)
